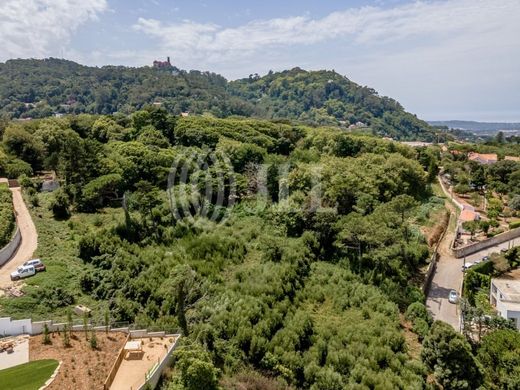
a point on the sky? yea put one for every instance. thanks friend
(441, 59)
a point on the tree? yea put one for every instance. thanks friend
(499, 354)
(449, 355)
(46, 339)
(186, 288)
(66, 336)
(93, 340)
(499, 138)
(144, 199)
(196, 370)
(60, 204)
(107, 321)
(471, 226)
(514, 203)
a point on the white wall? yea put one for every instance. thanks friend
(10, 327)
(7, 251)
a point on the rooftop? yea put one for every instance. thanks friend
(483, 156)
(509, 285)
(468, 215)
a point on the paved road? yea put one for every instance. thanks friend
(448, 275)
(29, 239)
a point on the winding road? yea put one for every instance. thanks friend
(448, 274)
(29, 241)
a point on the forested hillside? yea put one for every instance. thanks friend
(42, 88)
(328, 98)
(288, 256)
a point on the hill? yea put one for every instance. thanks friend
(41, 88)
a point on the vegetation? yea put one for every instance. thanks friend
(41, 88)
(28, 376)
(279, 250)
(327, 98)
(6, 215)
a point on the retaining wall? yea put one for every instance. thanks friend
(154, 377)
(7, 251)
(478, 246)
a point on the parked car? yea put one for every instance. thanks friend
(23, 271)
(467, 266)
(485, 258)
(453, 297)
(37, 264)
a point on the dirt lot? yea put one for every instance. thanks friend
(82, 367)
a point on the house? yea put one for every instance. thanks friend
(505, 296)
(162, 64)
(511, 158)
(483, 158)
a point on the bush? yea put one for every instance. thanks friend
(462, 189)
(514, 225)
(93, 340)
(6, 215)
(421, 328)
(417, 310)
(449, 355)
(60, 205)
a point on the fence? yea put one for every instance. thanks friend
(478, 246)
(7, 251)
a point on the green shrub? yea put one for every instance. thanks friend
(421, 328)
(6, 215)
(417, 310)
(514, 225)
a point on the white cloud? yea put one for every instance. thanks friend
(363, 26)
(440, 58)
(39, 28)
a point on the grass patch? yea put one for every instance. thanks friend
(49, 294)
(28, 376)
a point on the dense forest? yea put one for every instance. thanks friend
(288, 256)
(42, 88)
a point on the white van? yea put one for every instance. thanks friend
(23, 272)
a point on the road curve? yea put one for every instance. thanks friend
(29, 241)
(448, 273)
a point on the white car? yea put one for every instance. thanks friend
(467, 266)
(453, 297)
(23, 272)
(36, 263)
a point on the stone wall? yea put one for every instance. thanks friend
(7, 251)
(478, 246)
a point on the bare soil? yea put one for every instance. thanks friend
(82, 367)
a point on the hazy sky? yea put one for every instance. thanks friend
(455, 59)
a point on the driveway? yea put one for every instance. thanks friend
(29, 241)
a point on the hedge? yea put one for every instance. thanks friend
(514, 225)
(6, 215)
